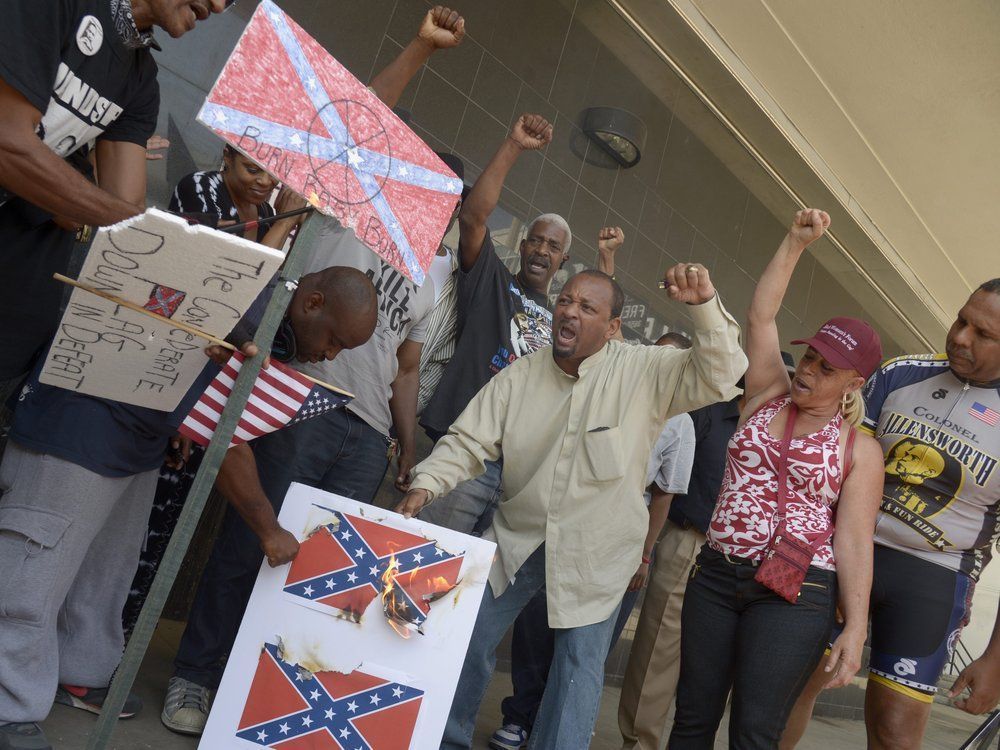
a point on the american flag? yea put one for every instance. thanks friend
(289, 707)
(343, 563)
(280, 397)
(984, 414)
(331, 140)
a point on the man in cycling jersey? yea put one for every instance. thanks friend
(937, 417)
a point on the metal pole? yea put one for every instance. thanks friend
(200, 489)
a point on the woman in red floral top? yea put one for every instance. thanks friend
(798, 433)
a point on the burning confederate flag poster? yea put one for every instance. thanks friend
(286, 103)
(363, 633)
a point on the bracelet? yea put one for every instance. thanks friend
(647, 560)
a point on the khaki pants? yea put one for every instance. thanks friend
(654, 664)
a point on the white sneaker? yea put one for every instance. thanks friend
(185, 709)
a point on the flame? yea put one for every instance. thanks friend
(401, 590)
(436, 588)
(394, 613)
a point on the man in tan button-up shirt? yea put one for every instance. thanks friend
(575, 424)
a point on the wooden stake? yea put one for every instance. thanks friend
(176, 324)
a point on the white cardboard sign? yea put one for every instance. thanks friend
(192, 274)
(314, 665)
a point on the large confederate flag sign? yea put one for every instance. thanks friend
(293, 709)
(286, 103)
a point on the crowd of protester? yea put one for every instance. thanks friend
(771, 510)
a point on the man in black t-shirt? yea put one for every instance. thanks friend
(501, 316)
(71, 72)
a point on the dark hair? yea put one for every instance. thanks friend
(675, 338)
(993, 285)
(617, 295)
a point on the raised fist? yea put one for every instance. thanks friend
(808, 226)
(531, 132)
(610, 239)
(689, 283)
(442, 28)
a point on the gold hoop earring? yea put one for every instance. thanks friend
(844, 403)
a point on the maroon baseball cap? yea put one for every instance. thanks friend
(847, 343)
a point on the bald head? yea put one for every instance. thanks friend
(332, 310)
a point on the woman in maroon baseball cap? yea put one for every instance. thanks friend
(759, 607)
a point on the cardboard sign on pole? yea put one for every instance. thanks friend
(287, 104)
(359, 641)
(198, 277)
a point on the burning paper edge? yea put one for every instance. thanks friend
(311, 654)
(403, 626)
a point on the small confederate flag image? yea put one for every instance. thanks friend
(280, 397)
(347, 563)
(289, 707)
(286, 103)
(984, 414)
(164, 301)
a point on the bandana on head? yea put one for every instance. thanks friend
(121, 12)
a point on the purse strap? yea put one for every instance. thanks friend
(786, 442)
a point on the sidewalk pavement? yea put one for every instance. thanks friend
(67, 728)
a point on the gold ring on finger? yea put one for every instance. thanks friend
(692, 269)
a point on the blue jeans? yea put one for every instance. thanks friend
(470, 506)
(337, 452)
(573, 692)
(739, 635)
(531, 654)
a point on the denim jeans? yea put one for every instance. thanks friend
(573, 692)
(531, 650)
(337, 452)
(470, 506)
(737, 634)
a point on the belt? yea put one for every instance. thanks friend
(737, 560)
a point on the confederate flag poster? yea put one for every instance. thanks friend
(360, 640)
(287, 104)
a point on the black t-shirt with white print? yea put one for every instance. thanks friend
(498, 321)
(67, 59)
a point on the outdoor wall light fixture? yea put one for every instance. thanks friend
(621, 134)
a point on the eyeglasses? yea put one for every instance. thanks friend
(534, 241)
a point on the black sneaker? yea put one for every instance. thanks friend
(23, 736)
(92, 699)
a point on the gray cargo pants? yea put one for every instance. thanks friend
(69, 546)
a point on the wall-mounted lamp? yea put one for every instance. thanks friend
(621, 134)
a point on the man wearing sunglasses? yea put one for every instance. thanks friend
(75, 75)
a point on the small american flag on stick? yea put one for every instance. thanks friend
(280, 397)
